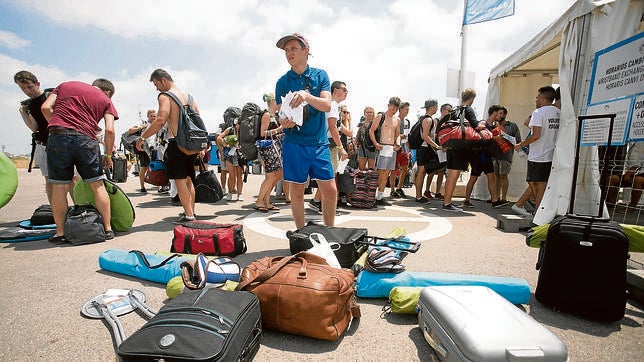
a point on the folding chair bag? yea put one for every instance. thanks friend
(155, 268)
(379, 285)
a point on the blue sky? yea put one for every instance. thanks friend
(224, 52)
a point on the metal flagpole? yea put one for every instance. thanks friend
(461, 72)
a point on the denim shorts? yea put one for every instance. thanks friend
(64, 151)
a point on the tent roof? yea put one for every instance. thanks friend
(541, 53)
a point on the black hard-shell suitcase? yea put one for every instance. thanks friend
(119, 173)
(200, 325)
(582, 264)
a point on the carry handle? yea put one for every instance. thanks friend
(603, 172)
(270, 272)
(145, 261)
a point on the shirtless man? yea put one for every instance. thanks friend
(386, 146)
(179, 166)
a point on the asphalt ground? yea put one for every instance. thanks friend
(44, 286)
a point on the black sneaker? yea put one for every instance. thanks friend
(143, 191)
(61, 239)
(316, 205)
(394, 194)
(382, 202)
(452, 208)
(468, 203)
(423, 200)
(498, 203)
(401, 193)
(109, 235)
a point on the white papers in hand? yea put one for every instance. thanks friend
(294, 114)
(509, 138)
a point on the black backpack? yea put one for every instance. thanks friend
(192, 136)
(249, 126)
(415, 138)
(230, 115)
(366, 140)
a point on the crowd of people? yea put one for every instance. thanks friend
(295, 153)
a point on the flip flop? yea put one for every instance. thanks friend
(272, 208)
(260, 208)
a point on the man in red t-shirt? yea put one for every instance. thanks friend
(73, 111)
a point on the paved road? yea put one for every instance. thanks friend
(44, 286)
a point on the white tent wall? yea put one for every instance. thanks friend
(587, 27)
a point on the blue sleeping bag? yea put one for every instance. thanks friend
(152, 267)
(378, 285)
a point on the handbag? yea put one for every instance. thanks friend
(201, 271)
(300, 294)
(84, 225)
(156, 175)
(207, 186)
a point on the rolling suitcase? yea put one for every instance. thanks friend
(473, 323)
(199, 325)
(582, 263)
(119, 173)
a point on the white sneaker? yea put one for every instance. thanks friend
(229, 196)
(520, 210)
(240, 197)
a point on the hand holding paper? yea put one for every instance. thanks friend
(294, 114)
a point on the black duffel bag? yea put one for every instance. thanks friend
(207, 186)
(42, 216)
(84, 225)
(348, 239)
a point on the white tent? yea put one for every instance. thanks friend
(562, 53)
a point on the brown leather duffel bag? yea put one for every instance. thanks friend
(301, 294)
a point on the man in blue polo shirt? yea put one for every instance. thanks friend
(305, 148)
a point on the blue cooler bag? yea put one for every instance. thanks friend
(155, 268)
(378, 285)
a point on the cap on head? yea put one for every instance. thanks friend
(430, 103)
(295, 36)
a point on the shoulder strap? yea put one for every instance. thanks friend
(175, 98)
(268, 273)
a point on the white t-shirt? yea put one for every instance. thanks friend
(546, 117)
(333, 113)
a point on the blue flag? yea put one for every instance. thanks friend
(478, 11)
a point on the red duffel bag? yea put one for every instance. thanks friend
(463, 137)
(209, 238)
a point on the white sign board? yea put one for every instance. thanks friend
(618, 82)
(621, 109)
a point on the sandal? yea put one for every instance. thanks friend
(287, 202)
(273, 208)
(260, 208)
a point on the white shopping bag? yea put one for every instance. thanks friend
(322, 248)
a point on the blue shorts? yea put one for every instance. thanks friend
(300, 162)
(64, 151)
